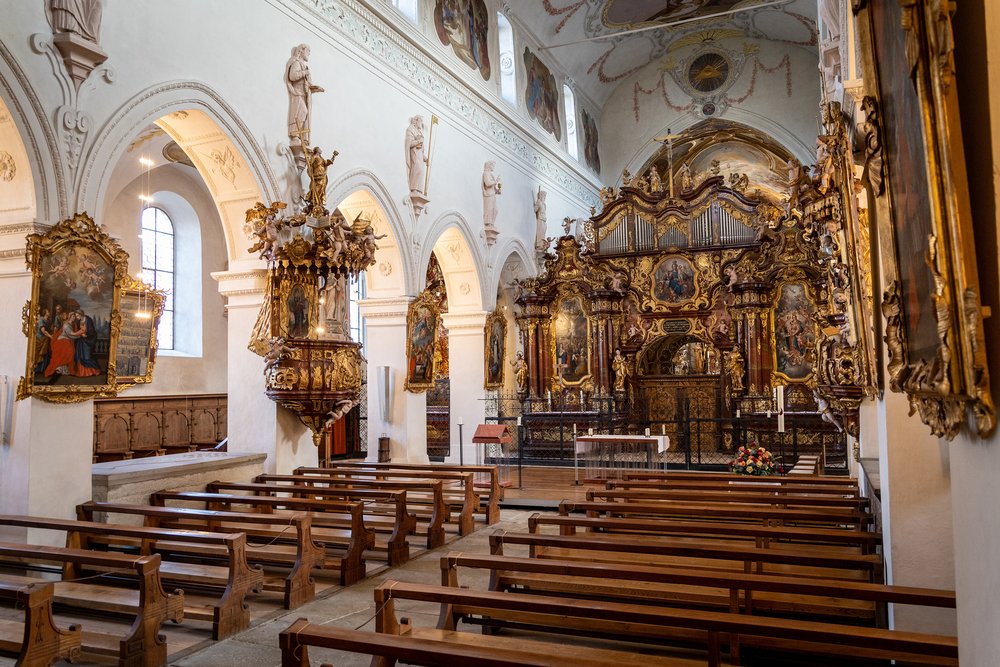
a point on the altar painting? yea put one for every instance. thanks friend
(794, 333)
(541, 95)
(421, 334)
(569, 335)
(674, 280)
(496, 335)
(464, 25)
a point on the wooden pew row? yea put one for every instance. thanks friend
(494, 490)
(334, 522)
(806, 465)
(458, 487)
(149, 606)
(287, 543)
(829, 516)
(455, 649)
(386, 512)
(802, 487)
(734, 592)
(645, 626)
(425, 500)
(743, 498)
(234, 579)
(864, 542)
(671, 552)
(36, 641)
(684, 475)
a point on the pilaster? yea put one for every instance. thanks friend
(467, 355)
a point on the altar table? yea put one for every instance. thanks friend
(609, 456)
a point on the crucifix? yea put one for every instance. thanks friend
(668, 139)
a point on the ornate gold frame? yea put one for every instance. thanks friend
(941, 388)
(288, 279)
(153, 301)
(496, 316)
(793, 277)
(663, 259)
(557, 380)
(429, 302)
(78, 231)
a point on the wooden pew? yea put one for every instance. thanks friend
(286, 548)
(760, 535)
(664, 551)
(806, 465)
(801, 486)
(455, 649)
(686, 475)
(458, 487)
(150, 605)
(645, 625)
(235, 579)
(424, 499)
(733, 592)
(829, 516)
(494, 490)
(385, 511)
(334, 521)
(36, 641)
(701, 497)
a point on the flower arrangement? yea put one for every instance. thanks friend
(755, 461)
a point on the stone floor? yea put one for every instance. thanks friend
(352, 607)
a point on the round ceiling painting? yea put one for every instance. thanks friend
(708, 72)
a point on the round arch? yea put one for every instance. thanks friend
(359, 191)
(220, 145)
(37, 141)
(462, 266)
(512, 251)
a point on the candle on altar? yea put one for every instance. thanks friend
(737, 413)
(590, 431)
(647, 431)
(519, 420)
(663, 429)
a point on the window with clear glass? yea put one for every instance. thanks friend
(508, 73)
(407, 7)
(569, 106)
(158, 267)
(355, 293)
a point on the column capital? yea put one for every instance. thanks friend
(243, 284)
(464, 324)
(385, 312)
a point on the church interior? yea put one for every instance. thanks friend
(499, 332)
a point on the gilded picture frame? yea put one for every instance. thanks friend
(421, 334)
(73, 319)
(141, 308)
(794, 332)
(915, 170)
(571, 342)
(495, 341)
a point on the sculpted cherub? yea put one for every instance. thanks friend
(280, 350)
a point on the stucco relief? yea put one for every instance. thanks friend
(8, 168)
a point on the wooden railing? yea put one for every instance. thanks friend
(152, 425)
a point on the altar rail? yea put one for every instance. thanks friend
(154, 425)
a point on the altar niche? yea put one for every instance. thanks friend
(681, 307)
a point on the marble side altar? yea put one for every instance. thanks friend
(132, 481)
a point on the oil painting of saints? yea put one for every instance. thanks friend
(420, 365)
(794, 332)
(464, 25)
(674, 280)
(572, 355)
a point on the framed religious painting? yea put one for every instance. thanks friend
(296, 306)
(73, 318)
(465, 26)
(915, 169)
(140, 312)
(496, 343)
(421, 334)
(794, 341)
(674, 280)
(571, 341)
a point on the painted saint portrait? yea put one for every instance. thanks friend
(541, 96)
(631, 14)
(73, 328)
(572, 352)
(464, 24)
(298, 313)
(674, 280)
(590, 154)
(422, 334)
(794, 332)
(496, 335)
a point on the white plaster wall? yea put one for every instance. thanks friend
(627, 143)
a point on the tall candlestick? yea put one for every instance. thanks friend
(647, 431)
(519, 420)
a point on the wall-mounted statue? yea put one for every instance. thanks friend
(491, 189)
(76, 30)
(416, 160)
(300, 87)
(619, 365)
(684, 175)
(316, 165)
(541, 242)
(520, 373)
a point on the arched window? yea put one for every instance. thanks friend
(407, 8)
(158, 266)
(356, 291)
(508, 74)
(569, 105)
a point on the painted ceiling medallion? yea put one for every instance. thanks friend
(630, 14)
(708, 72)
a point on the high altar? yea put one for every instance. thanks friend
(697, 296)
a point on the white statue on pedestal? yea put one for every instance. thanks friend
(300, 87)
(80, 17)
(491, 189)
(416, 161)
(541, 243)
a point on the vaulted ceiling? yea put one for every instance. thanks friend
(566, 28)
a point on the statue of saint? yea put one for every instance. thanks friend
(316, 165)
(520, 372)
(735, 369)
(300, 91)
(685, 177)
(620, 367)
(541, 243)
(491, 188)
(655, 185)
(80, 17)
(416, 161)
